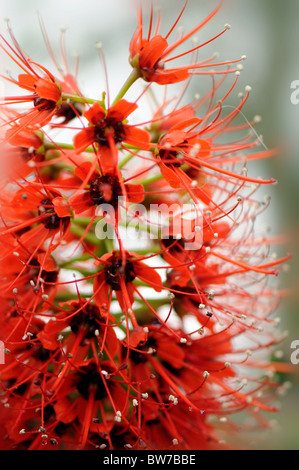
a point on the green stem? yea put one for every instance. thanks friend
(125, 160)
(84, 221)
(89, 237)
(158, 177)
(79, 99)
(134, 75)
(84, 257)
(151, 180)
(59, 145)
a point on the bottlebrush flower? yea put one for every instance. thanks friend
(118, 273)
(103, 190)
(147, 341)
(107, 128)
(49, 95)
(149, 55)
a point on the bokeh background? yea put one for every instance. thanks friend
(267, 32)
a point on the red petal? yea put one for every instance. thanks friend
(48, 90)
(27, 81)
(176, 117)
(62, 207)
(152, 52)
(170, 176)
(83, 170)
(187, 123)
(64, 411)
(171, 353)
(49, 264)
(165, 77)
(148, 275)
(108, 158)
(174, 138)
(22, 138)
(121, 110)
(137, 336)
(79, 202)
(134, 45)
(48, 336)
(95, 114)
(122, 299)
(137, 137)
(101, 289)
(135, 192)
(120, 397)
(83, 139)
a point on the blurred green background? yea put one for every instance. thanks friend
(267, 32)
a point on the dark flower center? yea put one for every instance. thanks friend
(115, 270)
(140, 357)
(49, 277)
(174, 245)
(106, 126)
(69, 111)
(47, 207)
(42, 354)
(105, 190)
(87, 318)
(170, 158)
(53, 220)
(44, 105)
(90, 378)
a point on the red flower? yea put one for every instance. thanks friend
(45, 91)
(118, 273)
(108, 128)
(40, 215)
(103, 189)
(149, 55)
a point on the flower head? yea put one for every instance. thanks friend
(149, 54)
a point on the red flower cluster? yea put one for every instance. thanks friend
(134, 277)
